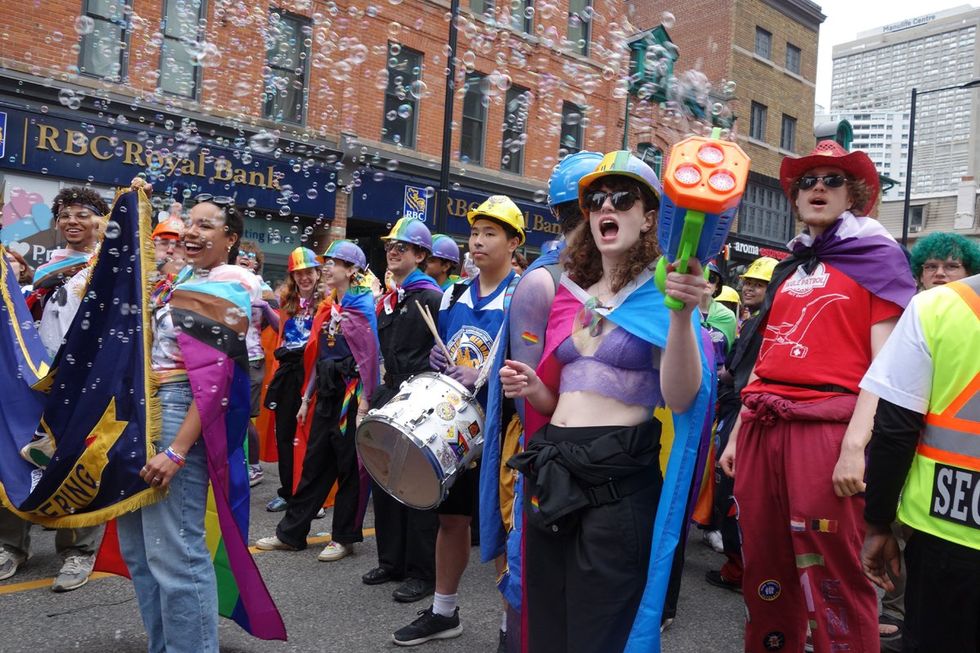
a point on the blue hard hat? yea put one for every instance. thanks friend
(445, 247)
(563, 185)
(346, 250)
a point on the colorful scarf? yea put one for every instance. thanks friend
(416, 280)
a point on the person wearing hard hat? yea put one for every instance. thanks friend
(443, 263)
(470, 318)
(923, 459)
(298, 301)
(406, 537)
(613, 354)
(728, 297)
(732, 378)
(755, 280)
(797, 449)
(168, 250)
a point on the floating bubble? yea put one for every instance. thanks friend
(667, 19)
(84, 25)
(112, 229)
(263, 142)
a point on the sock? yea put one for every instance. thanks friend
(444, 604)
(503, 622)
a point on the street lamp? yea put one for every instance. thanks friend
(441, 222)
(908, 166)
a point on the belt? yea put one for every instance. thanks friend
(827, 387)
(613, 491)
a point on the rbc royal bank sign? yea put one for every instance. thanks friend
(416, 203)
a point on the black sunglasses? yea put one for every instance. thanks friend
(807, 182)
(621, 200)
(396, 244)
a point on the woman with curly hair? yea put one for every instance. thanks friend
(591, 470)
(298, 302)
(942, 257)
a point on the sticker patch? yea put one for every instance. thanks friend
(823, 525)
(445, 411)
(774, 641)
(474, 429)
(531, 338)
(809, 560)
(454, 398)
(797, 525)
(769, 590)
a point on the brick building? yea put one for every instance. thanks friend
(760, 59)
(323, 118)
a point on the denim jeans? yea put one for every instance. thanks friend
(164, 547)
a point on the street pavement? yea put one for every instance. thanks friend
(325, 605)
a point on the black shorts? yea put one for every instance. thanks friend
(464, 495)
(256, 372)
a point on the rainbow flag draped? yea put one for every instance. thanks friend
(214, 316)
(641, 311)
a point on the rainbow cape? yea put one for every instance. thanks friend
(639, 308)
(360, 331)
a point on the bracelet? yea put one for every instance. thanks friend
(174, 456)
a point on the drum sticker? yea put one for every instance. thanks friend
(445, 411)
(454, 399)
(400, 397)
(474, 429)
(450, 435)
(448, 458)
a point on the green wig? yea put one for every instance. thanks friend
(944, 245)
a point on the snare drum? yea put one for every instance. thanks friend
(416, 444)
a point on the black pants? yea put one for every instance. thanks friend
(942, 596)
(406, 537)
(330, 456)
(583, 588)
(284, 396)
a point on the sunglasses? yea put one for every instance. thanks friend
(807, 182)
(218, 200)
(622, 200)
(250, 255)
(399, 246)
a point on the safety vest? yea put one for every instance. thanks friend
(942, 491)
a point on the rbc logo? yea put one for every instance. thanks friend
(415, 203)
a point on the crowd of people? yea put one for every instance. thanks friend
(842, 432)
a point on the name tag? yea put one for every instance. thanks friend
(956, 495)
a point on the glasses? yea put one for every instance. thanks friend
(621, 200)
(807, 182)
(947, 266)
(84, 213)
(250, 255)
(218, 200)
(396, 245)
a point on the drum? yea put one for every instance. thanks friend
(416, 445)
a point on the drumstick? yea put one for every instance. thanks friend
(429, 322)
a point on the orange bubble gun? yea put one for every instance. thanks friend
(703, 185)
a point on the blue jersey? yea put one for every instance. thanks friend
(471, 324)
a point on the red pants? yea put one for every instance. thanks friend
(801, 543)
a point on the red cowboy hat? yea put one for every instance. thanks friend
(855, 164)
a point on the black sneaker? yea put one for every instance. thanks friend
(428, 626)
(502, 644)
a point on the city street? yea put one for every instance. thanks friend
(325, 605)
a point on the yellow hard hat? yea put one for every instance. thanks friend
(502, 209)
(761, 269)
(728, 294)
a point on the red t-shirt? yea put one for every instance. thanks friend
(818, 333)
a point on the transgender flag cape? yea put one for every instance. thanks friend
(639, 308)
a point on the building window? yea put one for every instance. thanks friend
(652, 156)
(793, 57)
(179, 74)
(482, 7)
(787, 136)
(286, 55)
(522, 15)
(571, 129)
(757, 128)
(763, 43)
(915, 218)
(474, 119)
(104, 28)
(764, 213)
(402, 95)
(515, 129)
(579, 18)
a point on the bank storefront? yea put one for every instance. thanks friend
(379, 203)
(288, 199)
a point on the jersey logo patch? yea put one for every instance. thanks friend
(470, 346)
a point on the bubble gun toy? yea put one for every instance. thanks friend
(703, 185)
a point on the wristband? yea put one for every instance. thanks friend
(174, 456)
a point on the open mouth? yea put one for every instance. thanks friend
(608, 228)
(818, 201)
(193, 248)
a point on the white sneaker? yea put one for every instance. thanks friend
(74, 573)
(273, 544)
(713, 539)
(335, 551)
(9, 563)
